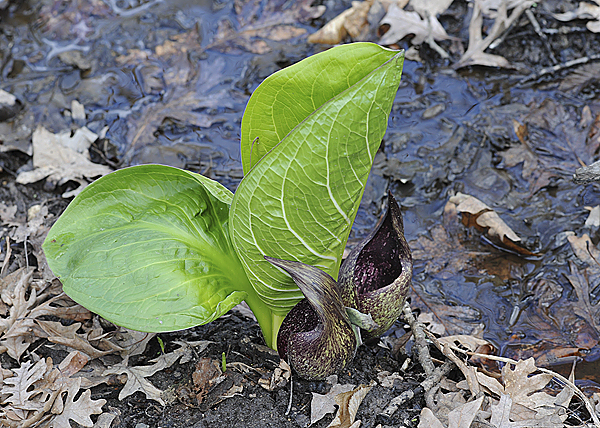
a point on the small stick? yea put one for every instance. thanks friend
(434, 375)
(558, 67)
(538, 30)
(426, 385)
(420, 341)
(587, 174)
(289, 407)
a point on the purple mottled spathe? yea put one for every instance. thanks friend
(316, 337)
(376, 276)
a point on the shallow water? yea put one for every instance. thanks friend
(163, 85)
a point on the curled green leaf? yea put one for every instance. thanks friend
(375, 278)
(316, 337)
(148, 248)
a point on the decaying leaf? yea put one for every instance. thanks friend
(322, 404)
(422, 25)
(35, 393)
(259, 23)
(348, 403)
(475, 54)
(582, 279)
(136, 375)
(353, 22)
(279, 378)
(207, 370)
(583, 11)
(477, 214)
(78, 411)
(551, 141)
(453, 316)
(62, 157)
(183, 103)
(439, 252)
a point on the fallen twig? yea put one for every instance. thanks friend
(558, 67)
(420, 341)
(541, 34)
(434, 375)
(587, 174)
(424, 386)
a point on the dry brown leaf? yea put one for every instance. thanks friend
(523, 386)
(15, 330)
(490, 383)
(502, 417)
(34, 394)
(463, 416)
(427, 419)
(403, 23)
(348, 403)
(20, 387)
(60, 157)
(136, 375)
(583, 11)
(352, 21)
(78, 411)
(477, 214)
(67, 335)
(279, 378)
(322, 404)
(475, 54)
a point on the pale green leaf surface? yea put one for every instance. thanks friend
(299, 202)
(289, 96)
(147, 248)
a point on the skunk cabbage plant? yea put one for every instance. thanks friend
(155, 248)
(329, 323)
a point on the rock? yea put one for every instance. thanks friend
(10, 106)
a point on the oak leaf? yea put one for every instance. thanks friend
(322, 404)
(78, 411)
(477, 214)
(403, 23)
(348, 403)
(136, 375)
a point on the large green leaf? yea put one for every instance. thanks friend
(289, 96)
(148, 248)
(299, 202)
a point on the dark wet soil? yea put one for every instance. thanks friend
(255, 406)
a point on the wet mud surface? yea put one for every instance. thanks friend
(167, 82)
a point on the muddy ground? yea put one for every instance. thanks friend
(448, 114)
